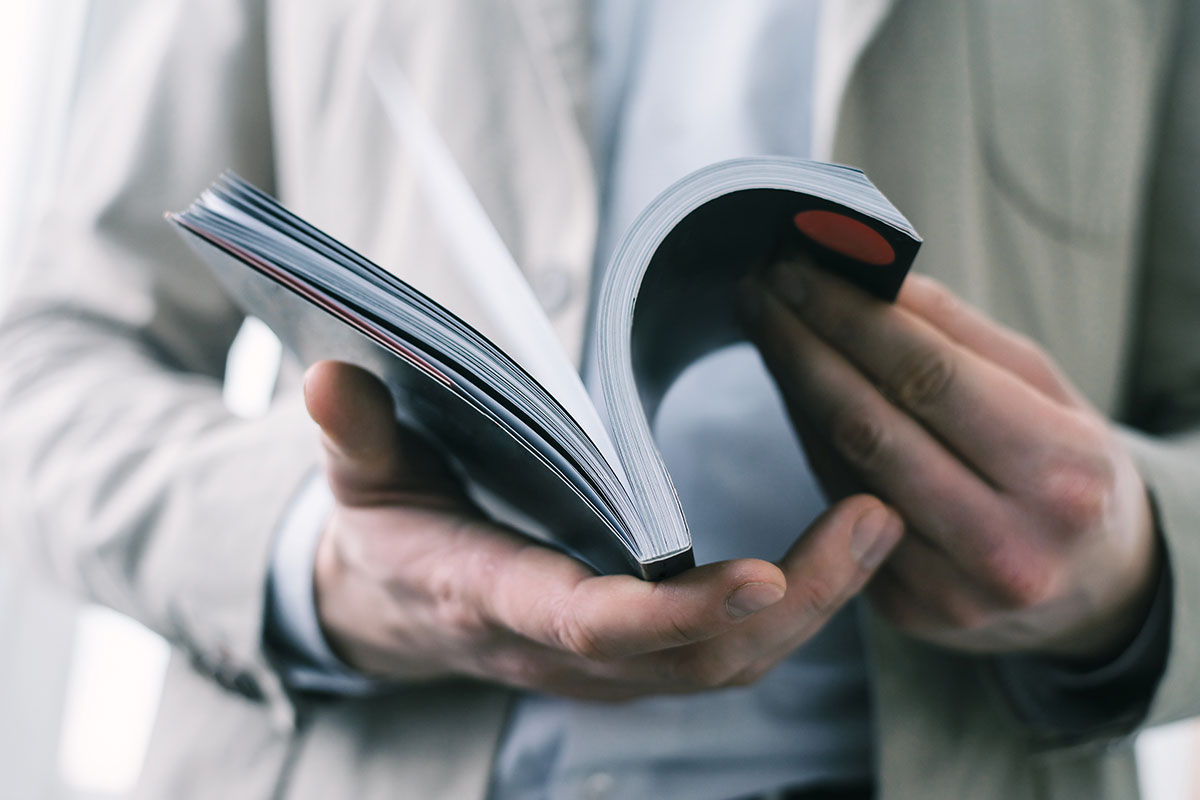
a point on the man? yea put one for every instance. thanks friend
(1035, 156)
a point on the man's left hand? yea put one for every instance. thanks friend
(1030, 529)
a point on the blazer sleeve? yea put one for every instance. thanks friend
(120, 466)
(1163, 407)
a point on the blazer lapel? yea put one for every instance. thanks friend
(556, 40)
(845, 30)
(505, 87)
(557, 35)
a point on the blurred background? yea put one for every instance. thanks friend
(79, 685)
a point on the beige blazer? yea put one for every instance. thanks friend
(1047, 150)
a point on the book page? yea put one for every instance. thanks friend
(516, 322)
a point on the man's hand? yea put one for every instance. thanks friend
(1029, 527)
(412, 583)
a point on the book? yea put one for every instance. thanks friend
(520, 428)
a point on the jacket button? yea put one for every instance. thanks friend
(552, 288)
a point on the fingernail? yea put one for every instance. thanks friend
(751, 597)
(875, 534)
(788, 282)
(750, 302)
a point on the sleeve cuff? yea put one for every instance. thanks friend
(302, 655)
(1064, 701)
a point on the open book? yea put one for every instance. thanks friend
(520, 428)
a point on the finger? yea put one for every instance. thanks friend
(837, 480)
(933, 302)
(828, 566)
(369, 456)
(896, 457)
(952, 598)
(554, 600)
(989, 417)
(831, 563)
(892, 600)
(916, 614)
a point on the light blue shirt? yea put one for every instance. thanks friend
(678, 85)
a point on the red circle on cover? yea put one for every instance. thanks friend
(846, 236)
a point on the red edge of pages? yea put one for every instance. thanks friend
(373, 331)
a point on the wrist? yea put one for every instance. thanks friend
(354, 608)
(330, 597)
(1108, 632)
(292, 630)
(1068, 701)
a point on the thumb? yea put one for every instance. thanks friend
(832, 562)
(370, 458)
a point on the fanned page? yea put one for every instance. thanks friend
(668, 295)
(515, 320)
(522, 456)
(525, 440)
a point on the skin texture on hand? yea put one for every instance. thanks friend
(412, 583)
(1029, 528)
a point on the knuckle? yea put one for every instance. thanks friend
(454, 587)
(454, 615)
(1018, 582)
(923, 379)
(684, 632)
(575, 635)
(859, 437)
(452, 608)
(819, 597)
(684, 629)
(442, 586)
(1079, 496)
(1025, 590)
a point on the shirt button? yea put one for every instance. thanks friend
(552, 287)
(598, 786)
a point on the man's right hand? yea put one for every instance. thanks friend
(412, 583)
